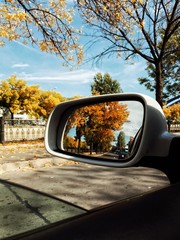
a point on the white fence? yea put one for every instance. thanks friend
(174, 127)
(23, 133)
(31, 130)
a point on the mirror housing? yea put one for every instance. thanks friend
(155, 140)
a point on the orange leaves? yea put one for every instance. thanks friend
(48, 25)
(43, 46)
(110, 115)
(98, 122)
(11, 19)
(120, 20)
(15, 17)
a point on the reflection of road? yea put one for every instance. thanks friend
(104, 155)
(110, 155)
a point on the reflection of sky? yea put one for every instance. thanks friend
(135, 119)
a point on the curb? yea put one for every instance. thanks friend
(33, 164)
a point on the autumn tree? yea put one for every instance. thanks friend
(103, 120)
(121, 143)
(47, 101)
(97, 123)
(17, 97)
(172, 113)
(104, 84)
(171, 68)
(70, 144)
(45, 24)
(132, 28)
(76, 121)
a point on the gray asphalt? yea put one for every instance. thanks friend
(89, 186)
(85, 185)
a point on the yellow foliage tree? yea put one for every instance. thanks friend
(46, 24)
(70, 144)
(97, 123)
(17, 97)
(173, 112)
(47, 101)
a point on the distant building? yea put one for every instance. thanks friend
(21, 116)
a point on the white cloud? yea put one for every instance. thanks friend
(20, 65)
(78, 76)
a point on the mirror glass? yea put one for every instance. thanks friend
(105, 130)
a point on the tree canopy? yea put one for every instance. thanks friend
(172, 113)
(132, 28)
(171, 71)
(47, 101)
(17, 97)
(121, 143)
(97, 124)
(104, 84)
(46, 24)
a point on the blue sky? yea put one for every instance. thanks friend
(45, 70)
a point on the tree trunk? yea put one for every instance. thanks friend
(159, 83)
(79, 144)
(12, 118)
(1, 129)
(91, 146)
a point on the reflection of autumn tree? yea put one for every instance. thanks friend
(76, 120)
(97, 123)
(70, 144)
(99, 139)
(121, 140)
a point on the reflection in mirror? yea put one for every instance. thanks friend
(105, 130)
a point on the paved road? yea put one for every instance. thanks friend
(87, 185)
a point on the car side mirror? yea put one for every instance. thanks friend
(110, 130)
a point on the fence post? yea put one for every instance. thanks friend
(1, 129)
